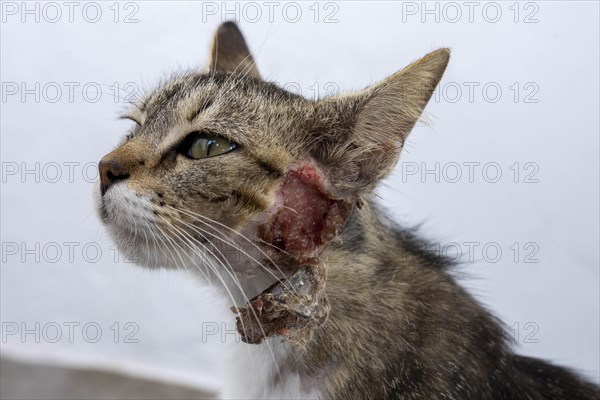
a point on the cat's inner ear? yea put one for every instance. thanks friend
(229, 52)
(378, 120)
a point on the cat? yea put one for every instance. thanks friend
(214, 155)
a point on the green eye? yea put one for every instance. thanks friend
(203, 145)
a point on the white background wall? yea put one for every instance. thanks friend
(557, 217)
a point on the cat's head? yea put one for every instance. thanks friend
(222, 152)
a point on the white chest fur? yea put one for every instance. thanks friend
(264, 371)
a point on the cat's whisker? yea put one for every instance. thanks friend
(200, 218)
(155, 243)
(114, 95)
(212, 244)
(136, 225)
(179, 233)
(209, 221)
(157, 255)
(231, 274)
(191, 213)
(204, 258)
(232, 244)
(217, 250)
(130, 98)
(147, 244)
(194, 248)
(242, 251)
(213, 268)
(193, 243)
(158, 235)
(173, 244)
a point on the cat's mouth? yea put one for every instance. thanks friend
(150, 232)
(141, 233)
(124, 207)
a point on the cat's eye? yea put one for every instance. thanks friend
(133, 131)
(203, 145)
(136, 128)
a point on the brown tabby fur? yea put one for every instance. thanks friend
(400, 326)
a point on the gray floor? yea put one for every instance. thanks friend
(33, 381)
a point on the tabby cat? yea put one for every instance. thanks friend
(215, 154)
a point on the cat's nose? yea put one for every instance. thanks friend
(111, 171)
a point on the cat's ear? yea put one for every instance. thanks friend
(374, 123)
(229, 52)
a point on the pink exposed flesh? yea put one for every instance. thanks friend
(307, 216)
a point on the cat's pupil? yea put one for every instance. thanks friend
(200, 148)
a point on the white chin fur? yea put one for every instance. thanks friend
(141, 237)
(133, 226)
(257, 371)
